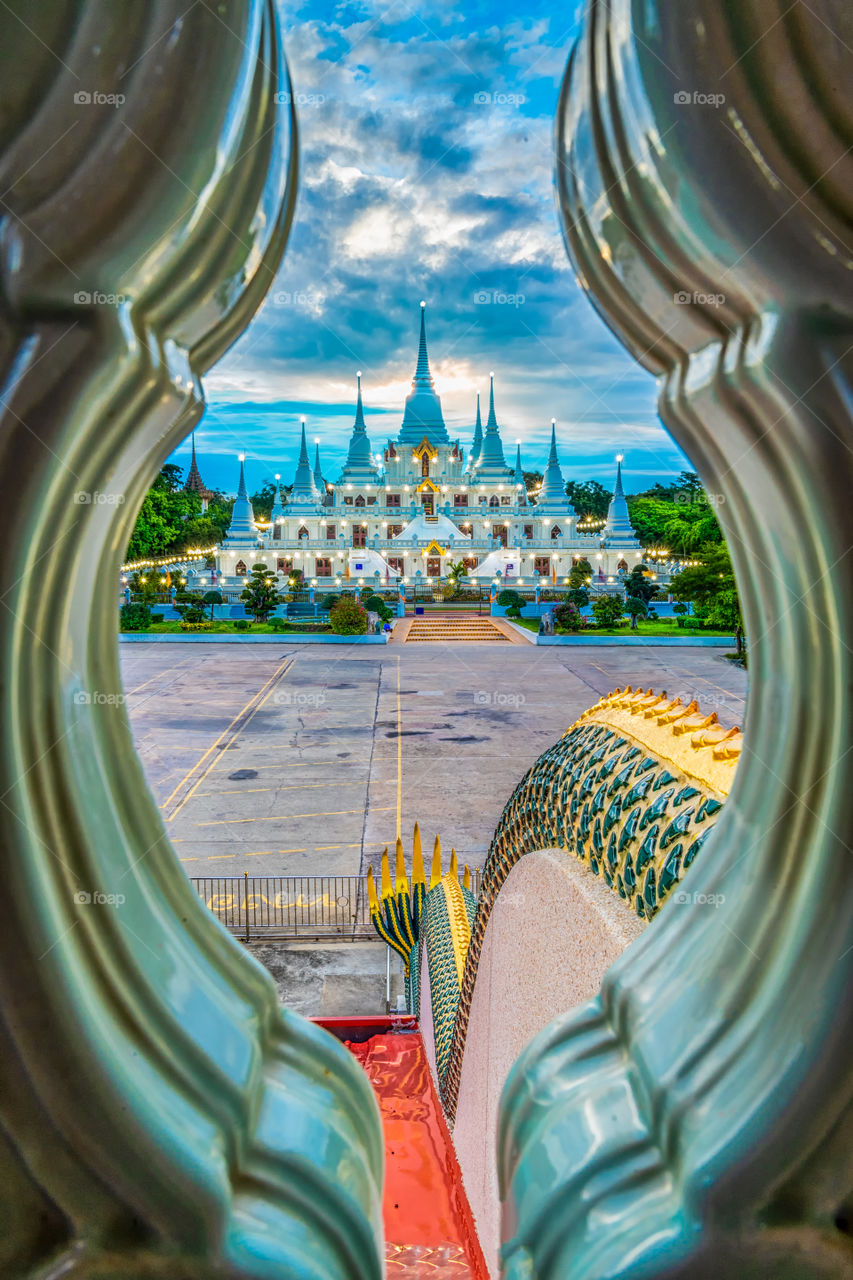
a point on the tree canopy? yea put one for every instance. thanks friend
(171, 520)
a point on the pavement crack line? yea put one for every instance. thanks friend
(363, 868)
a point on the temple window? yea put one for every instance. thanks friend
(348, 502)
(493, 501)
(505, 502)
(322, 567)
(528, 531)
(460, 499)
(359, 502)
(425, 464)
(392, 500)
(542, 565)
(331, 530)
(394, 530)
(556, 531)
(240, 569)
(283, 564)
(303, 532)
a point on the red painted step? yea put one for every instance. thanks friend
(429, 1227)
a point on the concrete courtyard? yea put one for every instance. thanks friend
(306, 760)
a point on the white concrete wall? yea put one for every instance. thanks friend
(554, 931)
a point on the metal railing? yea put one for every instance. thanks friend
(278, 908)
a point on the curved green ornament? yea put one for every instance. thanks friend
(161, 1115)
(694, 1120)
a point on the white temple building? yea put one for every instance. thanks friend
(425, 508)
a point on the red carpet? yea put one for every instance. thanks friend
(429, 1227)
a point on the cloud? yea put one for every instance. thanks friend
(427, 171)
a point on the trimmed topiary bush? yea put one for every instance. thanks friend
(135, 617)
(194, 626)
(348, 618)
(509, 599)
(242, 624)
(375, 604)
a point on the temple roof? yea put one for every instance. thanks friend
(618, 528)
(422, 415)
(552, 498)
(242, 526)
(477, 443)
(491, 463)
(304, 492)
(359, 467)
(194, 482)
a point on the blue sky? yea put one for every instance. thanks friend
(427, 172)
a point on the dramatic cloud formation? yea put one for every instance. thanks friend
(427, 172)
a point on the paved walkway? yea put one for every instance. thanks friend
(306, 760)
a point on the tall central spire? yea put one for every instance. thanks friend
(423, 377)
(422, 415)
(618, 530)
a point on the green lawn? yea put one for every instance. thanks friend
(663, 627)
(221, 625)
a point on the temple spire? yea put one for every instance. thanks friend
(319, 482)
(304, 491)
(359, 467)
(491, 462)
(518, 475)
(242, 526)
(552, 497)
(618, 530)
(277, 513)
(422, 374)
(422, 415)
(194, 482)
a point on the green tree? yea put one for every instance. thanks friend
(532, 480)
(262, 501)
(212, 598)
(135, 617)
(711, 588)
(636, 607)
(260, 594)
(170, 479)
(607, 611)
(639, 585)
(580, 573)
(578, 596)
(590, 499)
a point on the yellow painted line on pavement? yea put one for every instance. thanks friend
(299, 764)
(297, 786)
(270, 853)
(159, 676)
(286, 817)
(240, 721)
